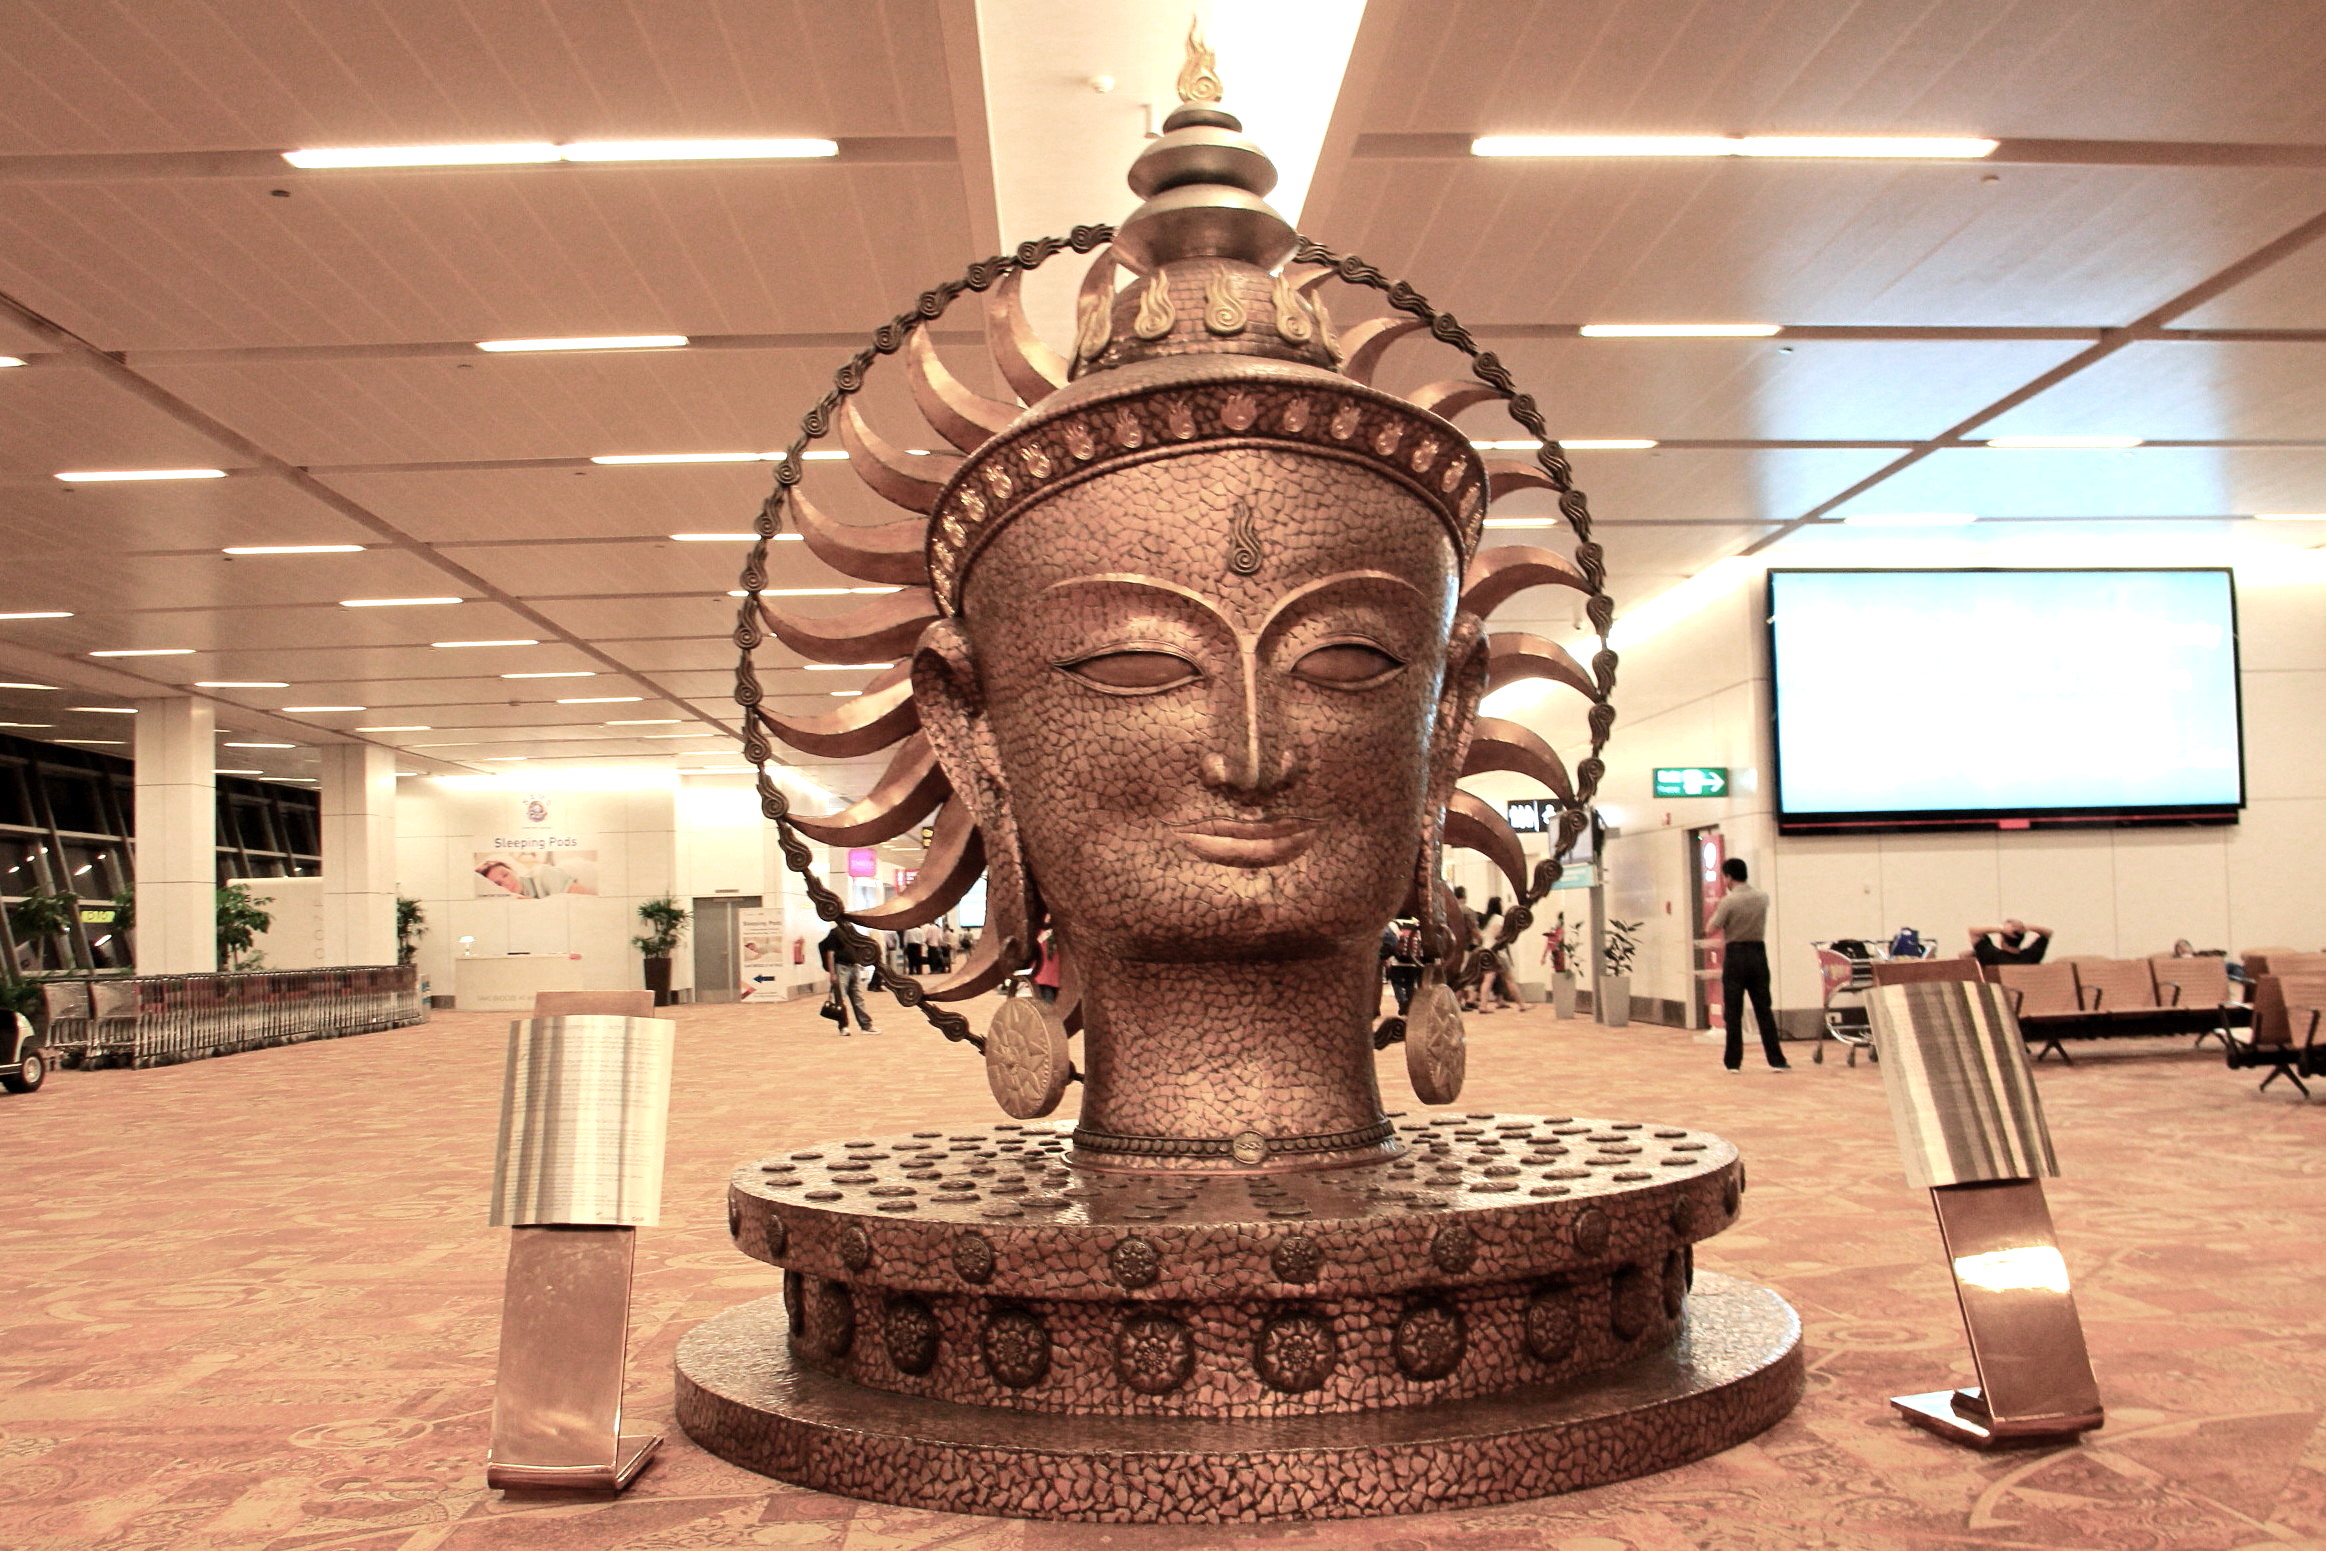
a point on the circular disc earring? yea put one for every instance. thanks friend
(1026, 1064)
(1435, 1055)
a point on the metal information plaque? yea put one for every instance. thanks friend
(1971, 1129)
(585, 1105)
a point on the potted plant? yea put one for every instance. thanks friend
(411, 926)
(1562, 961)
(241, 917)
(666, 921)
(42, 924)
(1614, 998)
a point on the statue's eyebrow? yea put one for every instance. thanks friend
(1309, 592)
(1172, 590)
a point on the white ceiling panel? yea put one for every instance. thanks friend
(2140, 482)
(1668, 485)
(196, 517)
(2186, 392)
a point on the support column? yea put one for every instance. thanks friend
(177, 838)
(359, 854)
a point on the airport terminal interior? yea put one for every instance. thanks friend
(528, 510)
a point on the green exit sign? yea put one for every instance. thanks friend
(1692, 781)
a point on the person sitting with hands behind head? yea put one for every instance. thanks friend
(2012, 942)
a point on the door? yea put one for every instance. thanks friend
(1707, 849)
(717, 946)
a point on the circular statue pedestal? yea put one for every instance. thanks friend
(969, 1323)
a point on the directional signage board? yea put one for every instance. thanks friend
(1692, 781)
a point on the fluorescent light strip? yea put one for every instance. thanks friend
(116, 476)
(238, 772)
(1910, 519)
(27, 724)
(585, 342)
(38, 614)
(1679, 330)
(397, 603)
(13, 685)
(148, 651)
(534, 153)
(258, 745)
(7, 361)
(2028, 442)
(845, 694)
(812, 592)
(240, 684)
(618, 459)
(293, 549)
(1577, 444)
(1847, 147)
(117, 743)
(317, 710)
(448, 645)
(105, 710)
(1522, 522)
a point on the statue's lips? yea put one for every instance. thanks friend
(1248, 842)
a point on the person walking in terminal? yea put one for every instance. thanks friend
(2013, 942)
(1742, 920)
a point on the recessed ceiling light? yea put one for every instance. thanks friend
(396, 603)
(112, 476)
(414, 728)
(843, 667)
(293, 549)
(258, 745)
(619, 458)
(567, 673)
(1679, 330)
(846, 694)
(27, 686)
(450, 644)
(105, 710)
(2063, 441)
(1522, 522)
(313, 710)
(2257, 517)
(648, 721)
(425, 155)
(825, 455)
(696, 150)
(148, 651)
(118, 743)
(714, 538)
(1909, 519)
(1854, 147)
(238, 772)
(240, 684)
(27, 724)
(585, 342)
(7, 361)
(37, 614)
(604, 700)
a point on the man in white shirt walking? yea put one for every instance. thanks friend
(1742, 920)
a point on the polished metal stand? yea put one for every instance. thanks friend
(2035, 1378)
(565, 1327)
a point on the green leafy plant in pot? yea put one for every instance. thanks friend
(241, 917)
(666, 923)
(411, 926)
(1614, 999)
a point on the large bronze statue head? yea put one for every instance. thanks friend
(1192, 661)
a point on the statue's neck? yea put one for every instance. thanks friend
(1206, 1053)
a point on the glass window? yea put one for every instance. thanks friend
(27, 864)
(73, 800)
(15, 804)
(300, 829)
(92, 871)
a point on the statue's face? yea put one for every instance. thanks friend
(1208, 757)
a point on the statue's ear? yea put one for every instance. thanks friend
(952, 707)
(1457, 716)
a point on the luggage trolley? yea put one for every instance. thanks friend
(1845, 966)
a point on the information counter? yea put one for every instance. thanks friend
(506, 983)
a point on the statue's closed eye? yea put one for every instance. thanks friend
(1346, 665)
(1134, 672)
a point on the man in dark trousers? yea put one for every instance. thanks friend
(1742, 920)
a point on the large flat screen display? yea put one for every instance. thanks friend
(1941, 699)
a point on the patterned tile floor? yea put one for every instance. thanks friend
(250, 1305)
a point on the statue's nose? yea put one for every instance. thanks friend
(1250, 752)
